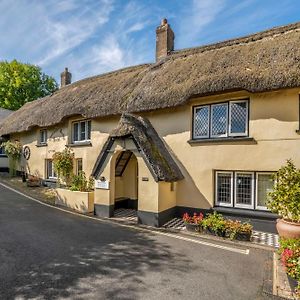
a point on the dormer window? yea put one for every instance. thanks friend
(221, 120)
(81, 131)
(43, 137)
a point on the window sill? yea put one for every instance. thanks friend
(80, 144)
(251, 213)
(3, 155)
(222, 140)
(41, 145)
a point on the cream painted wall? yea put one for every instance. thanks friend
(274, 119)
(126, 185)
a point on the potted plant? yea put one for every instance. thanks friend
(193, 223)
(285, 200)
(214, 224)
(289, 252)
(237, 230)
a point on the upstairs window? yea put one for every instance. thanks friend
(228, 119)
(81, 131)
(43, 137)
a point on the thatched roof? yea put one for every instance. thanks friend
(261, 62)
(152, 148)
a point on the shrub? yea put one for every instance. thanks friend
(63, 164)
(14, 152)
(214, 222)
(285, 197)
(81, 184)
(234, 228)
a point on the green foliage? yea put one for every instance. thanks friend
(14, 152)
(21, 83)
(285, 197)
(215, 222)
(80, 183)
(63, 164)
(233, 228)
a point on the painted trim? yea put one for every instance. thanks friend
(245, 206)
(231, 188)
(156, 219)
(246, 133)
(263, 208)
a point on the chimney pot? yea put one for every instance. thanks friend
(65, 77)
(164, 40)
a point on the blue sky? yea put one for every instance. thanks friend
(95, 36)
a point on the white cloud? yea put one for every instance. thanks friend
(195, 19)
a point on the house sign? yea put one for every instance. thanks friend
(102, 184)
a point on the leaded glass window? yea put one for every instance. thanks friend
(238, 117)
(201, 121)
(244, 189)
(228, 119)
(219, 123)
(224, 187)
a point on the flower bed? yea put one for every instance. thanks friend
(216, 224)
(289, 251)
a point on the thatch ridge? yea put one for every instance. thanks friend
(265, 61)
(152, 148)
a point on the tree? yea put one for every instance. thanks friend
(21, 83)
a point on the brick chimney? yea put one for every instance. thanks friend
(65, 78)
(164, 40)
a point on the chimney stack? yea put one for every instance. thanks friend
(65, 78)
(164, 40)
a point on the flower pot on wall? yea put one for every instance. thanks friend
(288, 230)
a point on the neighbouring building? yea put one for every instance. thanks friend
(200, 129)
(4, 164)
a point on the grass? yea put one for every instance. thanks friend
(41, 193)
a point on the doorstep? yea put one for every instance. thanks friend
(281, 285)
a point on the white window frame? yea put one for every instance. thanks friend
(211, 121)
(247, 118)
(246, 206)
(216, 188)
(43, 142)
(258, 207)
(79, 133)
(194, 116)
(47, 170)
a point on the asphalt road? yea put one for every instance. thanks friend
(49, 254)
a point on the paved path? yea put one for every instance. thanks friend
(49, 254)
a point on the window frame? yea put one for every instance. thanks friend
(76, 165)
(228, 134)
(254, 205)
(87, 133)
(194, 113)
(258, 207)
(232, 188)
(252, 190)
(211, 135)
(47, 170)
(40, 136)
(247, 118)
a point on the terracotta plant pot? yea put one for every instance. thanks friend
(288, 230)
